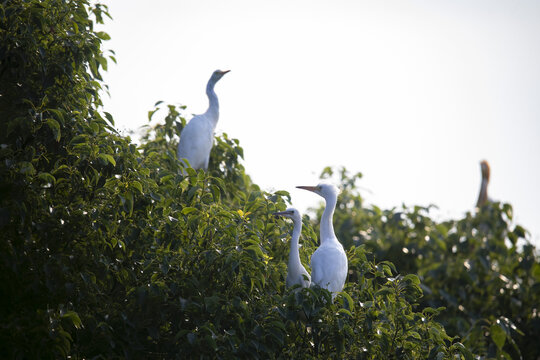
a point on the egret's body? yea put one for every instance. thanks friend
(483, 195)
(296, 273)
(197, 137)
(329, 262)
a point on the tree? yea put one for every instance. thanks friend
(108, 251)
(473, 267)
(56, 151)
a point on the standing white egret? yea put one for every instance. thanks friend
(329, 262)
(296, 273)
(197, 137)
(483, 195)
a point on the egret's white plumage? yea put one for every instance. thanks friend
(483, 195)
(329, 262)
(296, 273)
(197, 137)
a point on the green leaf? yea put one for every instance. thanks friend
(27, 168)
(282, 193)
(46, 177)
(350, 302)
(412, 278)
(463, 350)
(256, 249)
(74, 318)
(385, 290)
(108, 159)
(435, 333)
(102, 61)
(79, 139)
(188, 210)
(191, 172)
(137, 185)
(103, 35)
(109, 117)
(55, 127)
(519, 231)
(75, 27)
(59, 114)
(127, 202)
(166, 178)
(498, 335)
(151, 113)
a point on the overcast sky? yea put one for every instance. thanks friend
(413, 94)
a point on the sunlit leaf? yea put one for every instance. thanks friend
(55, 127)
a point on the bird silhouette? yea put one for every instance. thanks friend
(296, 273)
(483, 195)
(197, 137)
(329, 261)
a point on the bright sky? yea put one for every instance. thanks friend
(411, 93)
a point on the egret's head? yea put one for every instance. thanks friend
(218, 74)
(324, 190)
(484, 167)
(290, 213)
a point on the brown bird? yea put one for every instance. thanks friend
(483, 196)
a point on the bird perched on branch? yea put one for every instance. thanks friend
(296, 273)
(329, 261)
(197, 137)
(483, 195)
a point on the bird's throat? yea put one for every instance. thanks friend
(327, 227)
(294, 256)
(213, 103)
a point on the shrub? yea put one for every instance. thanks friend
(108, 251)
(480, 268)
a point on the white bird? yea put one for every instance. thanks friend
(329, 261)
(197, 137)
(483, 195)
(296, 273)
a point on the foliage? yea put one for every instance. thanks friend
(472, 267)
(56, 151)
(227, 283)
(109, 251)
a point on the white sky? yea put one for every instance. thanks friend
(411, 93)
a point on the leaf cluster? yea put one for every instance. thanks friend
(480, 268)
(112, 250)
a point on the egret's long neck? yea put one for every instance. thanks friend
(294, 256)
(483, 196)
(327, 227)
(213, 107)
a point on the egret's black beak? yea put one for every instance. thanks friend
(282, 213)
(309, 188)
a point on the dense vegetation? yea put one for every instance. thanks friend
(107, 251)
(479, 268)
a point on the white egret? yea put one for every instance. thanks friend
(296, 273)
(483, 195)
(329, 261)
(197, 137)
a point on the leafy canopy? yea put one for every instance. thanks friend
(108, 251)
